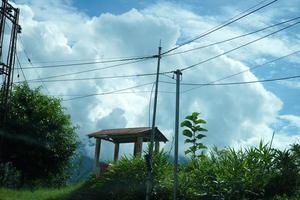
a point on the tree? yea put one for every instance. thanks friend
(192, 129)
(39, 138)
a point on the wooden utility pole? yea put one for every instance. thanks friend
(175, 186)
(149, 183)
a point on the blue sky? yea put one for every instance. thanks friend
(237, 116)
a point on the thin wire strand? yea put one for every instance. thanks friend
(236, 83)
(130, 92)
(89, 63)
(21, 68)
(121, 91)
(120, 59)
(111, 59)
(29, 61)
(239, 47)
(112, 92)
(233, 38)
(224, 24)
(249, 69)
(96, 78)
(91, 70)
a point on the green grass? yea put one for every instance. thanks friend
(38, 194)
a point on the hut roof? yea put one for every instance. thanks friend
(128, 135)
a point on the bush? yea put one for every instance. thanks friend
(249, 174)
(126, 179)
(253, 173)
(38, 137)
(9, 176)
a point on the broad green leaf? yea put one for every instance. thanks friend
(187, 151)
(187, 133)
(200, 121)
(190, 141)
(199, 128)
(193, 117)
(200, 136)
(186, 123)
(193, 148)
(201, 146)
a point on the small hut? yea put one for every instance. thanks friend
(125, 135)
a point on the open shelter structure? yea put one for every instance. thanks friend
(136, 135)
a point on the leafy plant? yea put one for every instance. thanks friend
(9, 176)
(192, 130)
(39, 138)
(126, 178)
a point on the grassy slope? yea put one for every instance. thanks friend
(40, 194)
(73, 192)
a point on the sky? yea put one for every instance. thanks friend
(72, 31)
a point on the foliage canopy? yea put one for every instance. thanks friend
(38, 138)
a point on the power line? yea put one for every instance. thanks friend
(29, 61)
(91, 63)
(237, 83)
(130, 92)
(18, 61)
(105, 93)
(233, 38)
(121, 91)
(232, 20)
(243, 71)
(91, 70)
(236, 48)
(96, 78)
(163, 73)
(88, 60)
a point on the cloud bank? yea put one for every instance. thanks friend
(237, 115)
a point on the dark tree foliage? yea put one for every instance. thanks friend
(39, 138)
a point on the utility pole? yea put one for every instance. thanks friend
(272, 140)
(175, 186)
(149, 157)
(7, 13)
(7, 60)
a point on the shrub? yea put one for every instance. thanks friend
(126, 179)
(253, 173)
(38, 137)
(9, 176)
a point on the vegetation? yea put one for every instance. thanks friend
(38, 127)
(192, 129)
(126, 180)
(252, 173)
(38, 194)
(39, 138)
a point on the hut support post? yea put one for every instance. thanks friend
(116, 153)
(138, 146)
(156, 147)
(97, 156)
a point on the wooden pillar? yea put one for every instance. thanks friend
(156, 147)
(116, 153)
(134, 149)
(138, 147)
(97, 157)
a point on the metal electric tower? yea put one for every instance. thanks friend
(9, 28)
